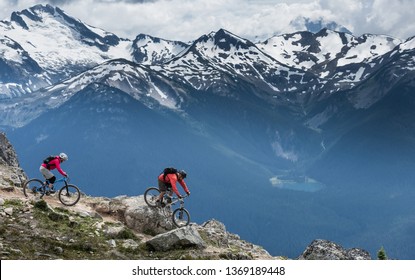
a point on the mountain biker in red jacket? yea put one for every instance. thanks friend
(55, 163)
(168, 183)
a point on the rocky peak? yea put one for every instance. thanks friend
(7, 153)
(327, 250)
(10, 172)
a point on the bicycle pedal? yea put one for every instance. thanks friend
(160, 205)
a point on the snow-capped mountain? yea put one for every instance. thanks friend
(60, 45)
(63, 46)
(327, 50)
(51, 38)
(320, 113)
(151, 50)
(19, 73)
(220, 60)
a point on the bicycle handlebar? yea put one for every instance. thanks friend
(181, 197)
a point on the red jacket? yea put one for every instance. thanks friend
(55, 163)
(172, 179)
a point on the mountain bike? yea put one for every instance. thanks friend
(180, 216)
(69, 195)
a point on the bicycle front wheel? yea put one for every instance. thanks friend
(181, 217)
(151, 195)
(34, 189)
(69, 195)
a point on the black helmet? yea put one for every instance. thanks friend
(182, 173)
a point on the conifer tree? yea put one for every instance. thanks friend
(382, 254)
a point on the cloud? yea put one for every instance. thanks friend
(187, 20)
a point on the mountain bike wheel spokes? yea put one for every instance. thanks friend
(69, 195)
(151, 195)
(181, 217)
(34, 189)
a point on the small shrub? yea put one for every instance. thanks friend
(126, 234)
(13, 202)
(382, 254)
(3, 230)
(56, 217)
(41, 205)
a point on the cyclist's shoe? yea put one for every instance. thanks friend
(51, 190)
(168, 199)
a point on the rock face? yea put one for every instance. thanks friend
(10, 172)
(135, 213)
(7, 154)
(326, 250)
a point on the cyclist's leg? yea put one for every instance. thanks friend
(163, 189)
(50, 178)
(51, 181)
(169, 194)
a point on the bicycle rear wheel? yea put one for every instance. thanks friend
(34, 189)
(151, 195)
(69, 195)
(181, 217)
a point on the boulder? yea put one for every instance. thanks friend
(176, 239)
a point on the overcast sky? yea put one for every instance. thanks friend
(187, 20)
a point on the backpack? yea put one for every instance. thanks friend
(169, 170)
(48, 159)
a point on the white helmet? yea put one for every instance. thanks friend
(63, 156)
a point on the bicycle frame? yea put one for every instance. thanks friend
(63, 179)
(174, 199)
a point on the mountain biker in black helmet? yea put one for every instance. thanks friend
(167, 182)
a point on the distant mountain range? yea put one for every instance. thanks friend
(318, 125)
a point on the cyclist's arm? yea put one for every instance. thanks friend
(173, 180)
(58, 167)
(184, 186)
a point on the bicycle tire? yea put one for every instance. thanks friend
(181, 217)
(31, 189)
(151, 195)
(69, 195)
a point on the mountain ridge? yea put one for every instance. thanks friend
(132, 48)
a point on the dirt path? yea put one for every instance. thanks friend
(84, 204)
